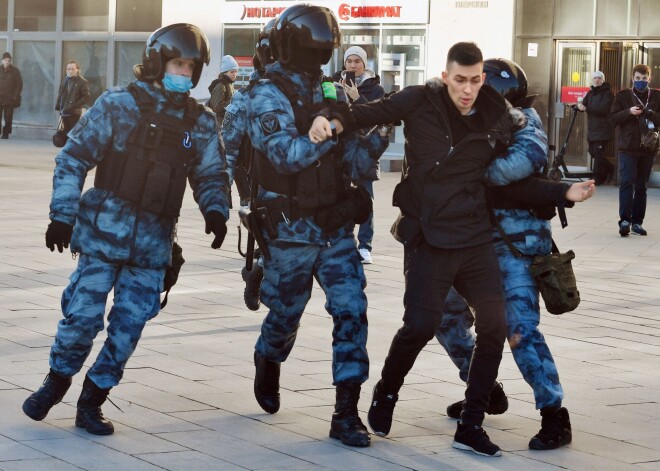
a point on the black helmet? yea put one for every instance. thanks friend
(510, 80)
(263, 49)
(304, 36)
(170, 42)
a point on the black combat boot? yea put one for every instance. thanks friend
(89, 415)
(252, 290)
(555, 429)
(346, 424)
(50, 393)
(267, 383)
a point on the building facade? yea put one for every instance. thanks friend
(558, 43)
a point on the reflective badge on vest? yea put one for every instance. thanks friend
(270, 124)
(187, 141)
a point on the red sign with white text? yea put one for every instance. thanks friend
(571, 94)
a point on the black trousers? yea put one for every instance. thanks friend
(430, 272)
(7, 113)
(70, 121)
(602, 169)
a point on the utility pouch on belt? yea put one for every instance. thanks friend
(355, 208)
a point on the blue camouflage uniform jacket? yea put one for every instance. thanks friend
(272, 129)
(526, 155)
(110, 228)
(234, 127)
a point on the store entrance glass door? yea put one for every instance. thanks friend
(575, 63)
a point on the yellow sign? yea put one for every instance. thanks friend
(575, 77)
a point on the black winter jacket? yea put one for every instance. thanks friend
(629, 126)
(442, 196)
(598, 102)
(72, 96)
(11, 86)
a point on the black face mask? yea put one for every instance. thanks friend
(309, 60)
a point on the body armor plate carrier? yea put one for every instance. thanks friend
(152, 173)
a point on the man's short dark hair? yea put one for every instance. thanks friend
(642, 69)
(464, 53)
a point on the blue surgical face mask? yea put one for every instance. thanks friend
(177, 83)
(640, 85)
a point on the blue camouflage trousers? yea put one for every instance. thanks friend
(136, 300)
(287, 287)
(528, 346)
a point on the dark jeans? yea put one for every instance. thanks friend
(634, 173)
(366, 232)
(8, 112)
(430, 272)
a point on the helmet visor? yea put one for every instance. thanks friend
(317, 30)
(184, 41)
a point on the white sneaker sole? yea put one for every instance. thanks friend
(462, 446)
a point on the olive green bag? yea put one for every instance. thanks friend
(553, 275)
(556, 281)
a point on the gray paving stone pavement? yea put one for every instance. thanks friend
(186, 399)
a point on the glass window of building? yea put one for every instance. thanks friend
(139, 15)
(93, 59)
(35, 15)
(127, 54)
(36, 61)
(3, 14)
(83, 15)
(532, 17)
(617, 18)
(402, 48)
(649, 20)
(3, 45)
(575, 18)
(240, 44)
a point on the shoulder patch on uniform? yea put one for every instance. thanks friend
(269, 123)
(226, 122)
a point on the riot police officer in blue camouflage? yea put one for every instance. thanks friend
(238, 150)
(308, 211)
(527, 227)
(146, 142)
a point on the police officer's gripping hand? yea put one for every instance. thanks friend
(215, 222)
(58, 234)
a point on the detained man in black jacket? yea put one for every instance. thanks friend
(453, 129)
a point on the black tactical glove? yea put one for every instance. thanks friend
(58, 234)
(215, 222)
(342, 112)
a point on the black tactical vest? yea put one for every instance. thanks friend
(317, 186)
(152, 173)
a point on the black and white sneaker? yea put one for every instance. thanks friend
(474, 438)
(381, 410)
